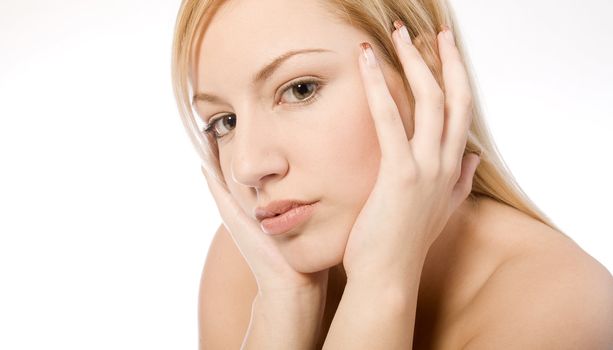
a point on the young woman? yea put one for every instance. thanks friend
(364, 205)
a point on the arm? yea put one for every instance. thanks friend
(287, 310)
(376, 314)
(420, 183)
(290, 321)
(232, 312)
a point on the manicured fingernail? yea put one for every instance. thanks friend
(368, 54)
(479, 156)
(448, 34)
(402, 30)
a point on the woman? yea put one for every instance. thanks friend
(398, 225)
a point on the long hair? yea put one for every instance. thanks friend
(423, 19)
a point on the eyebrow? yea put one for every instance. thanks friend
(262, 75)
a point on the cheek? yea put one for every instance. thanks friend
(347, 157)
(357, 147)
(349, 152)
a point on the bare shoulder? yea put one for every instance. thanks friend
(545, 293)
(227, 290)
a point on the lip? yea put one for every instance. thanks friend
(289, 220)
(277, 207)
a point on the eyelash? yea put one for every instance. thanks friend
(210, 127)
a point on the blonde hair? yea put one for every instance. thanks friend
(423, 19)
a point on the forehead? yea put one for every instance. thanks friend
(244, 35)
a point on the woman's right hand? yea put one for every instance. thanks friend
(274, 276)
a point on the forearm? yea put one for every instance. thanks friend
(285, 322)
(376, 315)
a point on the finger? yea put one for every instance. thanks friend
(391, 135)
(464, 185)
(266, 262)
(429, 98)
(234, 218)
(458, 99)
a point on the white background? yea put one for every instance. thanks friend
(105, 218)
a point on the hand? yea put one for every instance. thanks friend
(273, 274)
(421, 182)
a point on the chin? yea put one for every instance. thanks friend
(314, 250)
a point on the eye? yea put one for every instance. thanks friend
(218, 123)
(302, 90)
(306, 91)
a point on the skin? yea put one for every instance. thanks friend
(480, 253)
(277, 149)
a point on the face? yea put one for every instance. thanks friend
(315, 141)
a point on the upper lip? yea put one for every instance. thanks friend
(277, 207)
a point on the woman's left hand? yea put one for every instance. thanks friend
(421, 181)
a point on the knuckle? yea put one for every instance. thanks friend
(410, 177)
(432, 169)
(451, 168)
(412, 53)
(388, 109)
(391, 113)
(462, 100)
(439, 105)
(434, 96)
(409, 174)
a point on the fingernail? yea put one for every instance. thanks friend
(368, 54)
(448, 34)
(402, 30)
(478, 154)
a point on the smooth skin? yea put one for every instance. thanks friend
(497, 280)
(538, 311)
(420, 183)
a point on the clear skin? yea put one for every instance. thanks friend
(329, 150)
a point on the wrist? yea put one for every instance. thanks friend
(295, 299)
(293, 305)
(305, 294)
(313, 285)
(399, 276)
(380, 293)
(290, 320)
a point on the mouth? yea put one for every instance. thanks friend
(277, 208)
(284, 222)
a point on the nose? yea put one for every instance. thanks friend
(258, 152)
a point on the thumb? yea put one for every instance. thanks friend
(232, 215)
(464, 186)
(213, 182)
(243, 229)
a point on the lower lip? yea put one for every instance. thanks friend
(288, 220)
